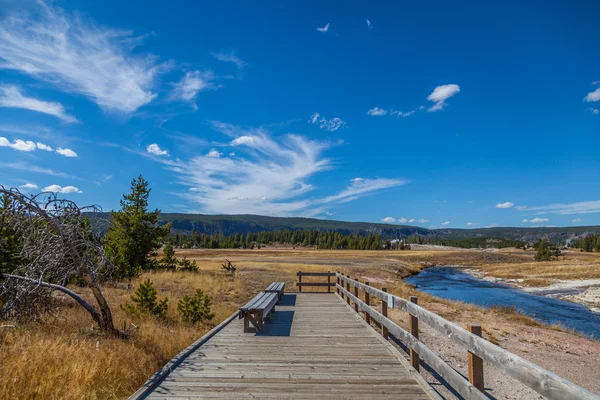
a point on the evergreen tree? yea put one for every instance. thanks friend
(145, 301)
(134, 234)
(169, 261)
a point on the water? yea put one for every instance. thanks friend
(454, 284)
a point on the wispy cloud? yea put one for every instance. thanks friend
(229, 57)
(79, 56)
(377, 112)
(388, 220)
(193, 83)
(369, 24)
(23, 166)
(156, 150)
(583, 207)
(61, 189)
(576, 220)
(11, 96)
(446, 223)
(214, 153)
(359, 187)
(268, 176)
(507, 204)
(323, 29)
(525, 221)
(331, 125)
(594, 111)
(440, 94)
(472, 223)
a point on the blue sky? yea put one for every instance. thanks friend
(442, 114)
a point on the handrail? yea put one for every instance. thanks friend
(455, 379)
(542, 381)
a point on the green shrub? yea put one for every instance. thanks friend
(168, 261)
(187, 265)
(145, 301)
(195, 309)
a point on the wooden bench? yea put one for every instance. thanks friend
(261, 307)
(276, 287)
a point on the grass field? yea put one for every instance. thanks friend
(62, 356)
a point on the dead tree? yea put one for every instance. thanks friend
(58, 247)
(229, 267)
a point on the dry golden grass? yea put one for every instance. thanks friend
(61, 356)
(573, 265)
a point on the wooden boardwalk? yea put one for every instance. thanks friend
(314, 346)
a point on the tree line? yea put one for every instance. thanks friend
(588, 243)
(288, 237)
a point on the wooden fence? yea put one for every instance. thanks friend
(328, 284)
(542, 381)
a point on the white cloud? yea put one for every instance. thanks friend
(61, 189)
(43, 146)
(472, 223)
(156, 150)
(577, 220)
(525, 221)
(539, 220)
(369, 24)
(402, 220)
(376, 112)
(66, 152)
(331, 125)
(268, 176)
(388, 220)
(214, 153)
(11, 96)
(412, 220)
(229, 57)
(593, 96)
(193, 83)
(423, 220)
(79, 56)
(446, 223)
(594, 111)
(507, 204)
(570, 208)
(494, 225)
(18, 144)
(323, 29)
(521, 208)
(29, 186)
(440, 94)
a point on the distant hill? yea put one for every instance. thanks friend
(231, 224)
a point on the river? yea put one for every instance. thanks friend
(454, 284)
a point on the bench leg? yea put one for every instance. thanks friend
(247, 322)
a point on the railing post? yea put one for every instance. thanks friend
(328, 281)
(414, 330)
(476, 363)
(384, 311)
(348, 289)
(368, 302)
(356, 295)
(337, 281)
(299, 280)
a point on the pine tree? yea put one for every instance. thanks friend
(169, 261)
(145, 301)
(195, 309)
(134, 234)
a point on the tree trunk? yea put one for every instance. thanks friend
(103, 320)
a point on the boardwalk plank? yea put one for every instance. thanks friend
(313, 347)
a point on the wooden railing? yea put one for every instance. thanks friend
(328, 284)
(542, 381)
